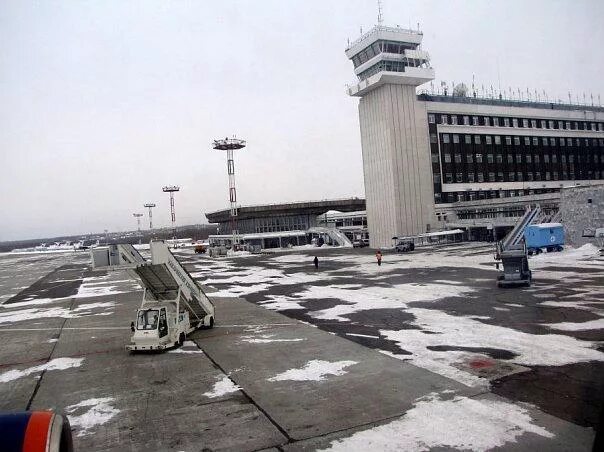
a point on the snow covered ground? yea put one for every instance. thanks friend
(350, 286)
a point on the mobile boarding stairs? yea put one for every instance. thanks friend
(512, 252)
(163, 279)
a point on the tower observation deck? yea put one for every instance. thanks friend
(390, 64)
(388, 55)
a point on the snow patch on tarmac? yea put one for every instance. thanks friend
(440, 329)
(459, 423)
(98, 411)
(315, 370)
(579, 326)
(55, 364)
(396, 297)
(222, 387)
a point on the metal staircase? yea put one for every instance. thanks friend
(335, 235)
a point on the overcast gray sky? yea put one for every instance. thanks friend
(104, 102)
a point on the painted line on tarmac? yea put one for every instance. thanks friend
(257, 324)
(70, 328)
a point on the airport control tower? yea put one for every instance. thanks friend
(390, 65)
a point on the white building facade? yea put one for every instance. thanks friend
(422, 152)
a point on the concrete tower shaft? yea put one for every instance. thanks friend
(396, 152)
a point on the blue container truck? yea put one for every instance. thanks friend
(548, 236)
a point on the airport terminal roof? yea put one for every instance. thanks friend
(291, 208)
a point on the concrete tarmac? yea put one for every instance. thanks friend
(178, 400)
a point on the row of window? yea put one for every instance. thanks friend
(520, 158)
(491, 194)
(525, 123)
(391, 66)
(527, 141)
(380, 47)
(511, 176)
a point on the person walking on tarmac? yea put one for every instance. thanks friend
(378, 256)
(316, 261)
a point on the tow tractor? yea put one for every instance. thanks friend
(173, 303)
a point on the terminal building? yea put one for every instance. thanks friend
(436, 161)
(295, 223)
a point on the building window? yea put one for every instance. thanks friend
(506, 122)
(562, 142)
(431, 119)
(468, 139)
(534, 123)
(499, 158)
(500, 176)
(593, 126)
(476, 139)
(449, 178)
(466, 120)
(529, 176)
(491, 177)
(536, 158)
(459, 177)
(546, 158)
(571, 158)
(478, 158)
(517, 141)
(550, 124)
(496, 122)
(497, 139)
(529, 158)
(432, 138)
(569, 141)
(434, 158)
(527, 141)
(547, 175)
(577, 142)
(469, 158)
(454, 120)
(511, 176)
(508, 140)
(567, 125)
(489, 158)
(543, 124)
(519, 176)
(545, 142)
(563, 158)
(488, 139)
(518, 158)
(554, 158)
(555, 175)
(457, 158)
(552, 141)
(525, 123)
(535, 141)
(436, 178)
(470, 177)
(560, 125)
(537, 175)
(445, 138)
(444, 119)
(510, 158)
(514, 122)
(480, 177)
(475, 120)
(447, 158)
(455, 138)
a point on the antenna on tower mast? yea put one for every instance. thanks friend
(380, 18)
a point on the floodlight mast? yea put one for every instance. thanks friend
(138, 220)
(229, 145)
(150, 206)
(171, 189)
